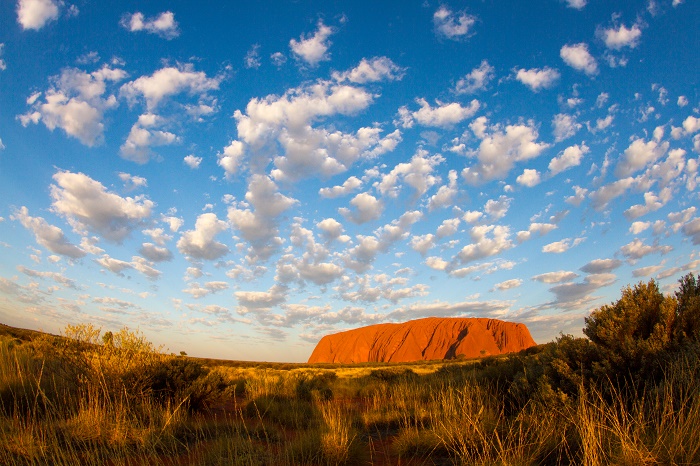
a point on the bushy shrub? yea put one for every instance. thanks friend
(239, 386)
(318, 385)
(174, 376)
(686, 324)
(125, 365)
(206, 392)
(632, 332)
(637, 336)
(177, 380)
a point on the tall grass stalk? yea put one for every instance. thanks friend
(662, 426)
(338, 436)
(463, 419)
(589, 419)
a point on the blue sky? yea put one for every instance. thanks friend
(237, 180)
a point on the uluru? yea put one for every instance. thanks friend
(423, 339)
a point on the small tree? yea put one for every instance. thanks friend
(108, 339)
(83, 333)
(632, 332)
(686, 325)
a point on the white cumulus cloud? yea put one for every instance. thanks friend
(34, 14)
(452, 25)
(200, 243)
(487, 240)
(89, 206)
(348, 186)
(76, 103)
(529, 178)
(192, 161)
(47, 235)
(169, 81)
(313, 49)
(538, 78)
(477, 80)
(282, 128)
(367, 208)
(638, 155)
(556, 277)
(259, 225)
(163, 25)
(568, 158)
(578, 57)
(373, 70)
(508, 284)
(577, 4)
(500, 148)
(444, 115)
(330, 228)
(232, 156)
(144, 135)
(564, 245)
(564, 126)
(417, 173)
(617, 38)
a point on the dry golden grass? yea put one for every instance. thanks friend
(328, 415)
(337, 435)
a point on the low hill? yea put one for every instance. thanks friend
(21, 333)
(423, 339)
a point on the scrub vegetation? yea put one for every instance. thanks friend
(628, 393)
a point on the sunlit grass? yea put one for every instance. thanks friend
(92, 403)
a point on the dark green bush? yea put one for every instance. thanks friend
(630, 345)
(633, 332)
(320, 384)
(174, 376)
(206, 392)
(686, 324)
(181, 380)
(239, 386)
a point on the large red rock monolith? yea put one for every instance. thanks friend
(423, 339)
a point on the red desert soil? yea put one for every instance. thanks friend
(423, 339)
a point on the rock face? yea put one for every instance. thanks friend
(423, 339)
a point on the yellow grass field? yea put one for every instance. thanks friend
(94, 398)
(67, 403)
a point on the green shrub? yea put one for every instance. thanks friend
(636, 335)
(206, 391)
(318, 385)
(686, 324)
(174, 376)
(632, 332)
(178, 380)
(239, 386)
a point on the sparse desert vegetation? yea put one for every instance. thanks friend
(626, 394)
